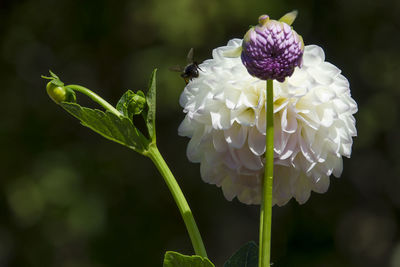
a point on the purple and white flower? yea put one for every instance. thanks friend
(225, 121)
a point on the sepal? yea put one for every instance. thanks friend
(57, 91)
(289, 18)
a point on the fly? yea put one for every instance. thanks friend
(190, 71)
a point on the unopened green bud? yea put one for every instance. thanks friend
(137, 103)
(60, 93)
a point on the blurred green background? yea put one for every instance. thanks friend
(68, 197)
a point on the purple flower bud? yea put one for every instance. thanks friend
(271, 50)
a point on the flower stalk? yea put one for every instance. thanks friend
(191, 226)
(267, 184)
(95, 97)
(154, 154)
(121, 129)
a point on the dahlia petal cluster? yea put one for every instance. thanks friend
(225, 121)
(271, 50)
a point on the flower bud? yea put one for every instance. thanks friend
(272, 49)
(60, 93)
(137, 103)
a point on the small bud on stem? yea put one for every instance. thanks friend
(60, 93)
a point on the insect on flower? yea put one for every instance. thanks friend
(190, 71)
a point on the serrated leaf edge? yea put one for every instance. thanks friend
(140, 144)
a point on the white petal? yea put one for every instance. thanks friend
(231, 96)
(280, 137)
(244, 116)
(219, 142)
(299, 162)
(282, 192)
(249, 160)
(308, 134)
(313, 55)
(236, 135)
(345, 150)
(330, 69)
(340, 105)
(353, 105)
(326, 115)
(320, 76)
(337, 166)
(221, 120)
(280, 104)
(302, 189)
(324, 94)
(186, 127)
(229, 188)
(249, 196)
(305, 148)
(256, 141)
(350, 123)
(248, 99)
(261, 122)
(289, 121)
(193, 152)
(322, 185)
(300, 78)
(230, 160)
(290, 148)
(208, 167)
(236, 42)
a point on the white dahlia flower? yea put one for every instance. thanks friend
(225, 119)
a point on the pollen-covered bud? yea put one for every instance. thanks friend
(272, 49)
(60, 93)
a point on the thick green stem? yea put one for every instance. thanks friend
(267, 184)
(180, 200)
(96, 98)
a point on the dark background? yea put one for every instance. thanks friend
(68, 197)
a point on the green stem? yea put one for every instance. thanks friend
(96, 98)
(180, 200)
(267, 185)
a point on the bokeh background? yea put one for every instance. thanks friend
(70, 198)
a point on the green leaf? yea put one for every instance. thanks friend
(151, 102)
(175, 259)
(115, 128)
(246, 256)
(131, 104)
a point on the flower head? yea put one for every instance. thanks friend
(225, 119)
(272, 49)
